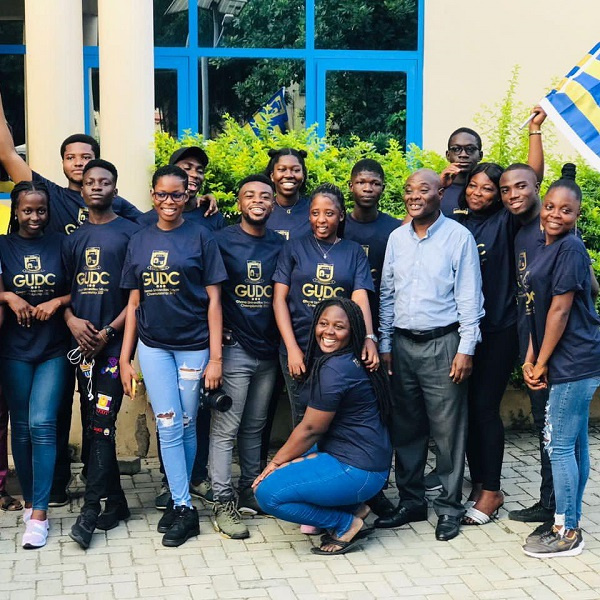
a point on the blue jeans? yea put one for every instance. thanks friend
(320, 491)
(567, 444)
(34, 392)
(249, 381)
(173, 379)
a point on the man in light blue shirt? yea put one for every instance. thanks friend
(430, 307)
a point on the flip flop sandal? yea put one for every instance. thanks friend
(477, 517)
(8, 503)
(343, 546)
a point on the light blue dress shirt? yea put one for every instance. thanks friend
(431, 282)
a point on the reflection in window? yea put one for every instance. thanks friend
(11, 32)
(170, 22)
(371, 105)
(13, 93)
(165, 98)
(366, 24)
(241, 87)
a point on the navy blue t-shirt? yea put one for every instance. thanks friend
(212, 223)
(357, 435)
(68, 210)
(312, 278)
(450, 205)
(32, 269)
(495, 234)
(247, 295)
(292, 223)
(93, 257)
(171, 269)
(561, 267)
(529, 241)
(373, 238)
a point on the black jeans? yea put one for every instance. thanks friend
(62, 467)
(494, 361)
(100, 404)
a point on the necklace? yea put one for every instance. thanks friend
(288, 209)
(325, 253)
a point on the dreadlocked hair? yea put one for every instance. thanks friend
(379, 379)
(28, 187)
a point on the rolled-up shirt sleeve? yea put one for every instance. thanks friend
(386, 299)
(468, 294)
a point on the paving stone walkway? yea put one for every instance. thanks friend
(275, 562)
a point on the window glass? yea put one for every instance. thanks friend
(11, 32)
(12, 79)
(165, 99)
(170, 22)
(366, 24)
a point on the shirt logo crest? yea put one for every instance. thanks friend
(92, 257)
(283, 233)
(254, 270)
(82, 215)
(324, 273)
(33, 263)
(522, 261)
(366, 249)
(158, 260)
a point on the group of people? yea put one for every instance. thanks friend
(384, 334)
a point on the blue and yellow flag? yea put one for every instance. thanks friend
(574, 106)
(274, 111)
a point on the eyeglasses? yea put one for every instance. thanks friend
(470, 150)
(175, 196)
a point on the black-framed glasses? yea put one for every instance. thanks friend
(175, 196)
(470, 150)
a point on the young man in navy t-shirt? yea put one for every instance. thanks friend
(250, 352)
(93, 257)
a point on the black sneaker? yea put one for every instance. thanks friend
(432, 481)
(162, 499)
(59, 499)
(247, 504)
(82, 530)
(533, 514)
(380, 505)
(185, 526)
(540, 531)
(112, 515)
(167, 519)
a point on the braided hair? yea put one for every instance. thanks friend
(379, 379)
(27, 187)
(334, 193)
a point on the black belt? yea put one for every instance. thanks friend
(426, 336)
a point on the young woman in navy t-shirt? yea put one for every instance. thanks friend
(174, 271)
(347, 410)
(564, 355)
(33, 354)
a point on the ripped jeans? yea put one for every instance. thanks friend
(173, 379)
(566, 441)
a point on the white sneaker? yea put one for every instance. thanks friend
(36, 534)
(27, 515)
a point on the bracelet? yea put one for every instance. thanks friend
(525, 364)
(535, 132)
(216, 360)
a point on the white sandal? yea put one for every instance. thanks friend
(36, 534)
(478, 517)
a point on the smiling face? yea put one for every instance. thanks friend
(325, 216)
(481, 192)
(76, 156)
(366, 188)
(559, 213)
(169, 198)
(332, 331)
(32, 214)
(99, 188)
(255, 201)
(423, 194)
(519, 190)
(287, 176)
(195, 172)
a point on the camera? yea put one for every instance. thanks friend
(216, 399)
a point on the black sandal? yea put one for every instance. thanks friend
(8, 503)
(343, 546)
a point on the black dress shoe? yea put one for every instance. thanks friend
(380, 505)
(447, 528)
(402, 516)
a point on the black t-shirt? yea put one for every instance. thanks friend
(450, 205)
(212, 223)
(171, 269)
(561, 267)
(93, 257)
(247, 295)
(32, 269)
(495, 234)
(292, 223)
(312, 278)
(68, 210)
(373, 238)
(529, 241)
(357, 435)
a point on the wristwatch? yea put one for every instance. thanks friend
(372, 336)
(110, 331)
